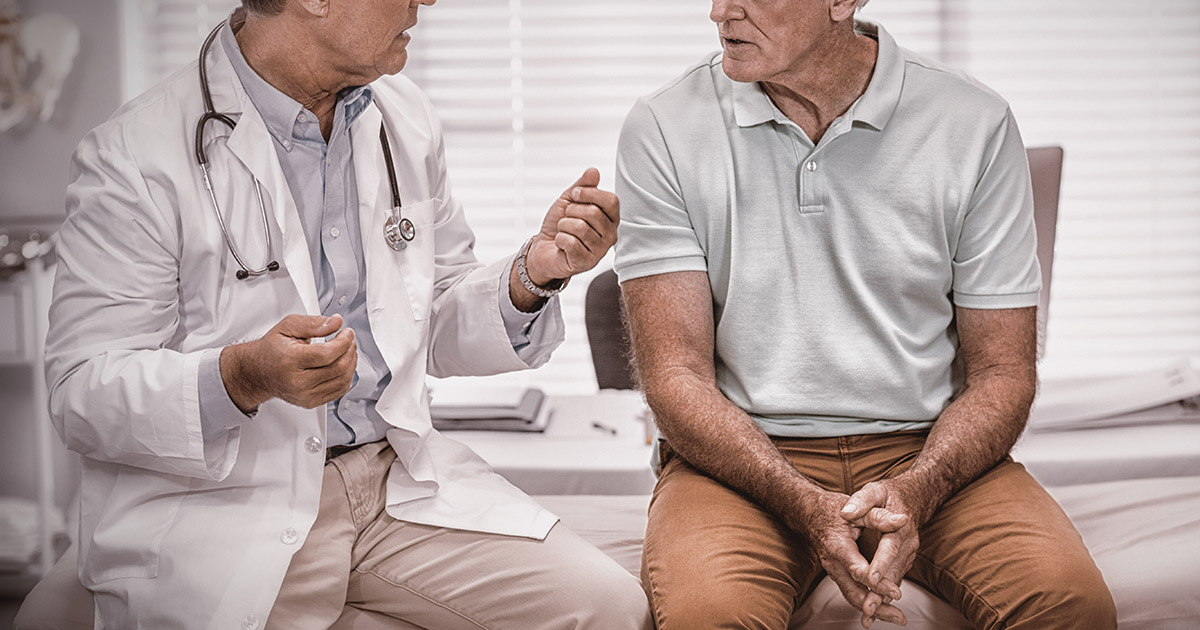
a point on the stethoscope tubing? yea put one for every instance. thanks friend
(397, 231)
(202, 159)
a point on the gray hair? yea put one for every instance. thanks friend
(271, 7)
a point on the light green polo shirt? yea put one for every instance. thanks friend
(835, 269)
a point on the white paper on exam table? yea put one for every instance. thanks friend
(1170, 394)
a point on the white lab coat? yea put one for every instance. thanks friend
(176, 532)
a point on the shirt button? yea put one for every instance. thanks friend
(342, 301)
(313, 444)
(812, 165)
(334, 232)
(250, 622)
(302, 118)
(289, 536)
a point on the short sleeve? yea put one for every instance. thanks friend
(995, 263)
(655, 234)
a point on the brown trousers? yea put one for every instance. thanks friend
(1001, 551)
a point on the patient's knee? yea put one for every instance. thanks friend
(1072, 597)
(733, 606)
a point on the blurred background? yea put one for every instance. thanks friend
(531, 92)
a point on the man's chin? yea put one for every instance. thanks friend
(739, 71)
(394, 64)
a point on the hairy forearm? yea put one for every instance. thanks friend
(974, 433)
(719, 439)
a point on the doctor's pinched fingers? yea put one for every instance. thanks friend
(318, 355)
(308, 326)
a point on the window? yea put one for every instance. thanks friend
(531, 92)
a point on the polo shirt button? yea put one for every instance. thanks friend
(313, 445)
(289, 536)
(251, 622)
(812, 165)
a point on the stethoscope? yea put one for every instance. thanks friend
(397, 230)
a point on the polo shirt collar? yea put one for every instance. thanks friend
(752, 106)
(877, 104)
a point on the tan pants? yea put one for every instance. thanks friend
(362, 569)
(1001, 550)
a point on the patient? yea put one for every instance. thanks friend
(827, 253)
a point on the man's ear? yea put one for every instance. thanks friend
(840, 10)
(317, 8)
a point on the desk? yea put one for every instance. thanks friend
(572, 456)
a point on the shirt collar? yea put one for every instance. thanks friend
(279, 111)
(752, 106)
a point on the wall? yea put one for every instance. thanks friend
(34, 156)
(33, 172)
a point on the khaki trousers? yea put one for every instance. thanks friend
(359, 568)
(1001, 551)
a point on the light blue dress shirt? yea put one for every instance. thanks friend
(321, 178)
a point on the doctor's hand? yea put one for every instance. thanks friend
(578, 230)
(834, 541)
(285, 363)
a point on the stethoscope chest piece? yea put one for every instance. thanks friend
(398, 232)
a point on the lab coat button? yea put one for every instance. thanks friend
(812, 165)
(313, 444)
(251, 622)
(289, 537)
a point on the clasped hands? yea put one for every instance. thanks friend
(834, 527)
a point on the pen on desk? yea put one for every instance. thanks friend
(604, 427)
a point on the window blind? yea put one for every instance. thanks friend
(1117, 85)
(531, 92)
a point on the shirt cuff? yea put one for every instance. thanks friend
(518, 324)
(218, 414)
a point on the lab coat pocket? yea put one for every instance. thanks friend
(417, 259)
(128, 526)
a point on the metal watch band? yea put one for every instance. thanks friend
(523, 274)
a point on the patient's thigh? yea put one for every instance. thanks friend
(715, 559)
(1005, 554)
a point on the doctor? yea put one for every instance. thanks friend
(246, 383)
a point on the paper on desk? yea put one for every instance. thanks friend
(1164, 395)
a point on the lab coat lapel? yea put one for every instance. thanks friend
(251, 143)
(368, 156)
